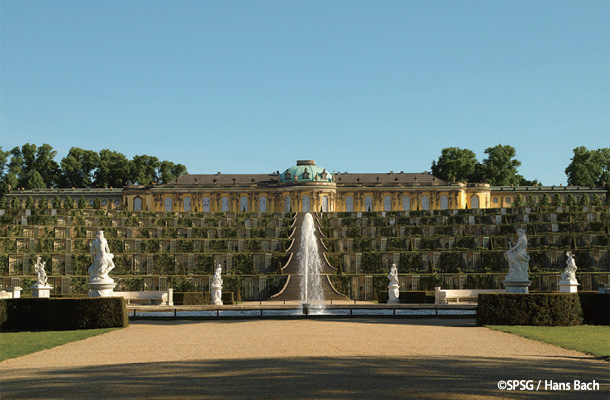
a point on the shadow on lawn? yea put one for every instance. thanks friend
(306, 378)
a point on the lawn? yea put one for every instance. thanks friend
(592, 339)
(15, 344)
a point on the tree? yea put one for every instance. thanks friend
(168, 171)
(3, 162)
(499, 168)
(33, 180)
(56, 203)
(43, 203)
(531, 201)
(571, 201)
(68, 203)
(97, 204)
(144, 169)
(8, 183)
(545, 201)
(596, 200)
(519, 200)
(82, 203)
(78, 168)
(29, 203)
(46, 166)
(557, 200)
(3, 203)
(113, 169)
(455, 164)
(584, 200)
(15, 204)
(589, 167)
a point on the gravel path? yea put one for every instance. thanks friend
(300, 359)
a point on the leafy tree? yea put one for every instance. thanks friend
(68, 203)
(46, 166)
(168, 171)
(3, 203)
(43, 203)
(545, 201)
(56, 203)
(4, 155)
(531, 201)
(584, 200)
(519, 200)
(570, 201)
(78, 168)
(82, 203)
(29, 203)
(557, 200)
(113, 170)
(97, 204)
(33, 180)
(455, 164)
(15, 204)
(596, 201)
(589, 167)
(500, 167)
(8, 183)
(144, 169)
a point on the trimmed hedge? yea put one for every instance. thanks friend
(192, 298)
(540, 309)
(595, 307)
(32, 314)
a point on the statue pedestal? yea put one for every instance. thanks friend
(393, 294)
(101, 288)
(41, 291)
(217, 295)
(568, 286)
(516, 286)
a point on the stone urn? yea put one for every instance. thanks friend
(217, 295)
(101, 287)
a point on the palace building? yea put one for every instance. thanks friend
(308, 187)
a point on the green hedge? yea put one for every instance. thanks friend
(595, 307)
(31, 314)
(542, 309)
(192, 298)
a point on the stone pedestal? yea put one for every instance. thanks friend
(516, 286)
(393, 294)
(568, 286)
(16, 292)
(217, 295)
(41, 291)
(101, 288)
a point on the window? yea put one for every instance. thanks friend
(368, 203)
(117, 203)
(206, 204)
(262, 204)
(474, 202)
(104, 202)
(287, 204)
(137, 204)
(187, 204)
(325, 203)
(495, 200)
(425, 202)
(349, 203)
(508, 200)
(387, 203)
(444, 202)
(168, 203)
(406, 203)
(224, 204)
(306, 204)
(243, 204)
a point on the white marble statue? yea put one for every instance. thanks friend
(570, 273)
(41, 275)
(393, 287)
(217, 287)
(102, 259)
(518, 260)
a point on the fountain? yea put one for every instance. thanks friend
(310, 268)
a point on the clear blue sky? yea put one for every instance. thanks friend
(359, 86)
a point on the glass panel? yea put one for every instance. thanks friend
(406, 203)
(262, 204)
(168, 203)
(349, 203)
(224, 204)
(287, 204)
(137, 204)
(306, 204)
(187, 204)
(324, 203)
(444, 202)
(206, 204)
(387, 203)
(243, 204)
(425, 202)
(368, 203)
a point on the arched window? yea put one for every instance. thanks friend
(137, 204)
(368, 203)
(444, 202)
(262, 204)
(425, 202)
(306, 204)
(243, 204)
(474, 201)
(406, 203)
(187, 204)
(325, 203)
(224, 204)
(205, 204)
(287, 204)
(387, 203)
(349, 203)
(169, 203)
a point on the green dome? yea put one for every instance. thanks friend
(306, 171)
